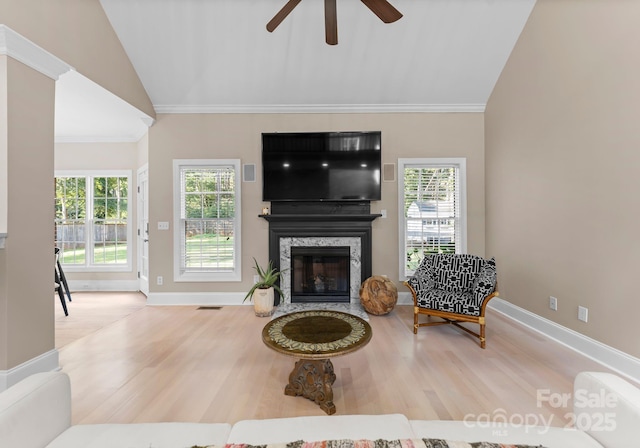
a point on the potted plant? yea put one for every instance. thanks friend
(262, 292)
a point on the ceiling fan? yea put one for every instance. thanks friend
(382, 8)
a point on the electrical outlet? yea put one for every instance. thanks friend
(256, 278)
(553, 303)
(383, 213)
(583, 313)
(159, 280)
(163, 225)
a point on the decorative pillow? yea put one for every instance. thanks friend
(485, 282)
(401, 443)
(456, 272)
(422, 279)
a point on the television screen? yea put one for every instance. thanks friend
(321, 166)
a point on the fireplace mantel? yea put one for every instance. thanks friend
(288, 217)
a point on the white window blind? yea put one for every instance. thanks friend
(208, 221)
(432, 218)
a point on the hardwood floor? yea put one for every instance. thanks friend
(134, 363)
(92, 312)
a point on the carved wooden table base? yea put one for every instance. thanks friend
(313, 337)
(312, 378)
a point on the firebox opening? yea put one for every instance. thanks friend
(320, 274)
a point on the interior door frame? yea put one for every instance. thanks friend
(142, 234)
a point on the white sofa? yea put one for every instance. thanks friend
(36, 413)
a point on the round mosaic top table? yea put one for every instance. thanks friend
(314, 336)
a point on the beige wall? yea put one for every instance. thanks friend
(79, 33)
(26, 299)
(563, 168)
(3, 144)
(239, 136)
(4, 204)
(96, 156)
(143, 150)
(103, 156)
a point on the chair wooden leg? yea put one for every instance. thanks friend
(415, 320)
(483, 341)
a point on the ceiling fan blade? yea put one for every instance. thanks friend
(384, 10)
(282, 14)
(331, 22)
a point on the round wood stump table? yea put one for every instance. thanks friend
(314, 336)
(378, 295)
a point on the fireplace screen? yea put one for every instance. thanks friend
(320, 274)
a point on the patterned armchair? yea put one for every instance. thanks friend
(454, 287)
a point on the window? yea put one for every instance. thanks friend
(432, 219)
(91, 224)
(207, 221)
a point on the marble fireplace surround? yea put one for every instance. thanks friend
(355, 252)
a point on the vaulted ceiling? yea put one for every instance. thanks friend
(216, 56)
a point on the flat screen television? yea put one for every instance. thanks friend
(321, 166)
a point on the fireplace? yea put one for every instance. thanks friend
(320, 274)
(287, 246)
(327, 231)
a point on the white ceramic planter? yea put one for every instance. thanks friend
(263, 302)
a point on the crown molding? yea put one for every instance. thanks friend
(109, 138)
(22, 49)
(316, 108)
(119, 137)
(147, 120)
(132, 138)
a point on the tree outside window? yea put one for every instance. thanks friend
(91, 221)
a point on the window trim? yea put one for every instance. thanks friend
(430, 162)
(90, 175)
(236, 274)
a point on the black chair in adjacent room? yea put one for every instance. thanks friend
(61, 286)
(58, 289)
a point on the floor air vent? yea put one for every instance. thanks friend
(209, 308)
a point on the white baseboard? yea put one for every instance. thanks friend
(197, 298)
(221, 298)
(46, 362)
(620, 362)
(103, 285)
(405, 298)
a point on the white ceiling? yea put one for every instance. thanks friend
(214, 56)
(85, 112)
